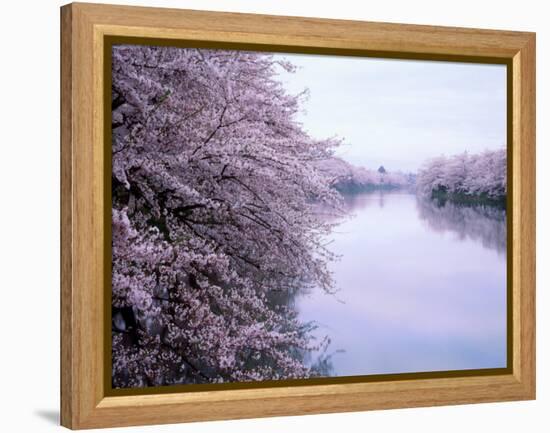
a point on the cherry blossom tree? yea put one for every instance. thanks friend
(214, 190)
(475, 176)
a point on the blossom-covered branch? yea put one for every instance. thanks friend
(214, 190)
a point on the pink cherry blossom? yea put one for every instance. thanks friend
(468, 175)
(214, 228)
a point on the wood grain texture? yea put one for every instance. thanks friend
(524, 215)
(67, 388)
(84, 26)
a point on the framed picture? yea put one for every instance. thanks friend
(266, 216)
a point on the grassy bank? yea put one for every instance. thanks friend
(469, 199)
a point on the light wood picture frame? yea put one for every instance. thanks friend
(87, 34)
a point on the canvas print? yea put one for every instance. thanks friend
(289, 216)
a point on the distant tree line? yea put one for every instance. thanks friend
(465, 177)
(348, 178)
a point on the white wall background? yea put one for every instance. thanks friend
(29, 215)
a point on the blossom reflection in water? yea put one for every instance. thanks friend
(422, 287)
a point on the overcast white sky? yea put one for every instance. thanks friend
(398, 113)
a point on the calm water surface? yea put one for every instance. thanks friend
(421, 288)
